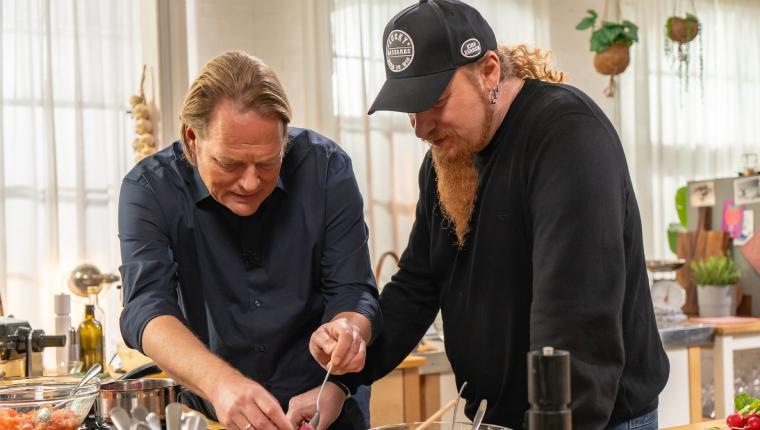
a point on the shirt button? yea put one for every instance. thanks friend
(261, 348)
(257, 303)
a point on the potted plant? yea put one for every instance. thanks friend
(716, 280)
(681, 31)
(611, 43)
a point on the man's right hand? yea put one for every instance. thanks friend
(303, 406)
(243, 404)
(240, 403)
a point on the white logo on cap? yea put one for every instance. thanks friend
(470, 48)
(399, 51)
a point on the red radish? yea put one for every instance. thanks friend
(753, 423)
(735, 420)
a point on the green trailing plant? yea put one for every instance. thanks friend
(609, 33)
(715, 271)
(679, 35)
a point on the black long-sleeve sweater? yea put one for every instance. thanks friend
(554, 257)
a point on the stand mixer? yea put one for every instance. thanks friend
(667, 295)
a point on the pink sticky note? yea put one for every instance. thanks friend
(732, 218)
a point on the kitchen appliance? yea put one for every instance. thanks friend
(18, 343)
(668, 297)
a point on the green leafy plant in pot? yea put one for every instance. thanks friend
(681, 32)
(716, 280)
(611, 42)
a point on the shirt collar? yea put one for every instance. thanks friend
(200, 191)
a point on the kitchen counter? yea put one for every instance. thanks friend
(675, 336)
(681, 399)
(721, 424)
(684, 335)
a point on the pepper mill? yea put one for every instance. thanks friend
(549, 390)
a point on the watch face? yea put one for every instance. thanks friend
(668, 294)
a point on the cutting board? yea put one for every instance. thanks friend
(698, 245)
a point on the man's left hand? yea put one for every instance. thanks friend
(302, 407)
(341, 342)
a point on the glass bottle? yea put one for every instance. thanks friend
(100, 315)
(90, 339)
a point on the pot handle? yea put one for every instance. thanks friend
(145, 370)
(141, 371)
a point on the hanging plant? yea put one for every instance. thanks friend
(682, 31)
(611, 42)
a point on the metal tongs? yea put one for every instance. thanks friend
(315, 419)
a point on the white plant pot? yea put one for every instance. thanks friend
(716, 300)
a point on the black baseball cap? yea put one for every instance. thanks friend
(424, 44)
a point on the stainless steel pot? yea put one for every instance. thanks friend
(152, 394)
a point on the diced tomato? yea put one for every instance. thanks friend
(61, 419)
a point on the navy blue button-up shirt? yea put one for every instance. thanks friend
(253, 289)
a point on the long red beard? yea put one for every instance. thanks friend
(458, 178)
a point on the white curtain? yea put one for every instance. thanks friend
(68, 69)
(384, 150)
(673, 134)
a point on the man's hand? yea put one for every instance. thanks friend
(242, 404)
(303, 406)
(339, 341)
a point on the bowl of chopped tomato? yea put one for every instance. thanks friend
(45, 404)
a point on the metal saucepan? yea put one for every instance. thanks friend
(152, 394)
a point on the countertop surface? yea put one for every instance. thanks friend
(686, 334)
(721, 424)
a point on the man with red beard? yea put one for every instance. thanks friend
(527, 231)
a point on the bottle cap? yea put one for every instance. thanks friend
(89, 308)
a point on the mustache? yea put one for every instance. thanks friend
(437, 134)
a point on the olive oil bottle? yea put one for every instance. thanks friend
(90, 339)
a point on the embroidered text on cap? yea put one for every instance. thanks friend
(470, 48)
(399, 51)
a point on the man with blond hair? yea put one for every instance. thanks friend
(238, 242)
(527, 232)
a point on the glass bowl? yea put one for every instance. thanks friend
(22, 399)
(440, 426)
